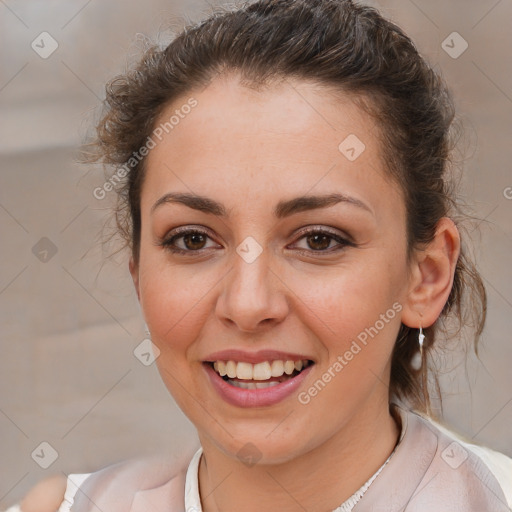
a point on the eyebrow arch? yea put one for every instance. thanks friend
(282, 210)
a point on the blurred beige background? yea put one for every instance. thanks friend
(69, 318)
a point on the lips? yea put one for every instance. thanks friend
(257, 379)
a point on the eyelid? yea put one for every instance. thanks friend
(179, 232)
(343, 239)
(335, 233)
(186, 229)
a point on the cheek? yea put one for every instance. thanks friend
(175, 303)
(356, 317)
(346, 301)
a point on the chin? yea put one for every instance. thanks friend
(259, 449)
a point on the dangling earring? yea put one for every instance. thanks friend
(146, 330)
(417, 359)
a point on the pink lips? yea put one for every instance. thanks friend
(255, 397)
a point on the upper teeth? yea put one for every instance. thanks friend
(259, 371)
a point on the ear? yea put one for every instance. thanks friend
(134, 271)
(432, 273)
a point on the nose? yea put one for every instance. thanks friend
(253, 297)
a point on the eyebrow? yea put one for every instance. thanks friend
(283, 208)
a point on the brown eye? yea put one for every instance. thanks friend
(322, 241)
(187, 241)
(319, 241)
(194, 241)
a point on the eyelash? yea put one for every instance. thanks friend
(343, 242)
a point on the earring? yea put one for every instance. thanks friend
(417, 359)
(146, 330)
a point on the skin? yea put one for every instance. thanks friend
(249, 150)
(45, 496)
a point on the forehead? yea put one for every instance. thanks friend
(285, 139)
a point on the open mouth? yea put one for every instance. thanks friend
(258, 376)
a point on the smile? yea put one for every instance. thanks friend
(255, 385)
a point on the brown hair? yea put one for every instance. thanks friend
(350, 48)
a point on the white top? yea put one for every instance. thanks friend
(193, 502)
(192, 497)
(73, 485)
(497, 463)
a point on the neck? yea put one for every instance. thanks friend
(320, 479)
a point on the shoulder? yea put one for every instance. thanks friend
(474, 471)
(45, 496)
(461, 448)
(133, 485)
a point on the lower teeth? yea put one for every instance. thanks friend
(252, 385)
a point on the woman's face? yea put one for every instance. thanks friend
(251, 280)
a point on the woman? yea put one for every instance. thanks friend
(295, 251)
